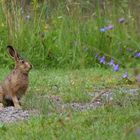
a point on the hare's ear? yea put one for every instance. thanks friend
(13, 53)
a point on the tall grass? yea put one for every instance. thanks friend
(67, 33)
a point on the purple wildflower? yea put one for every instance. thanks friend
(109, 27)
(121, 20)
(125, 75)
(102, 29)
(116, 67)
(96, 56)
(102, 60)
(111, 63)
(137, 54)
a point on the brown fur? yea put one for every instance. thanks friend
(16, 84)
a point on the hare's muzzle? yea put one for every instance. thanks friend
(28, 65)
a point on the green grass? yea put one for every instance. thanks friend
(72, 85)
(67, 33)
(61, 39)
(111, 121)
(103, 124)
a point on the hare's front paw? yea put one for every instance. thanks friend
(1, 105)
(17, 106)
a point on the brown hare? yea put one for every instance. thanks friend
(16, 84)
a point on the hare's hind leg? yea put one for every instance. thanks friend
(1, 97)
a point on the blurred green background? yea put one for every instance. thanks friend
(68, 33)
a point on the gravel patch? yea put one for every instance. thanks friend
(11, 114)
(84, 106)
(98, 98)
(134, 91)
